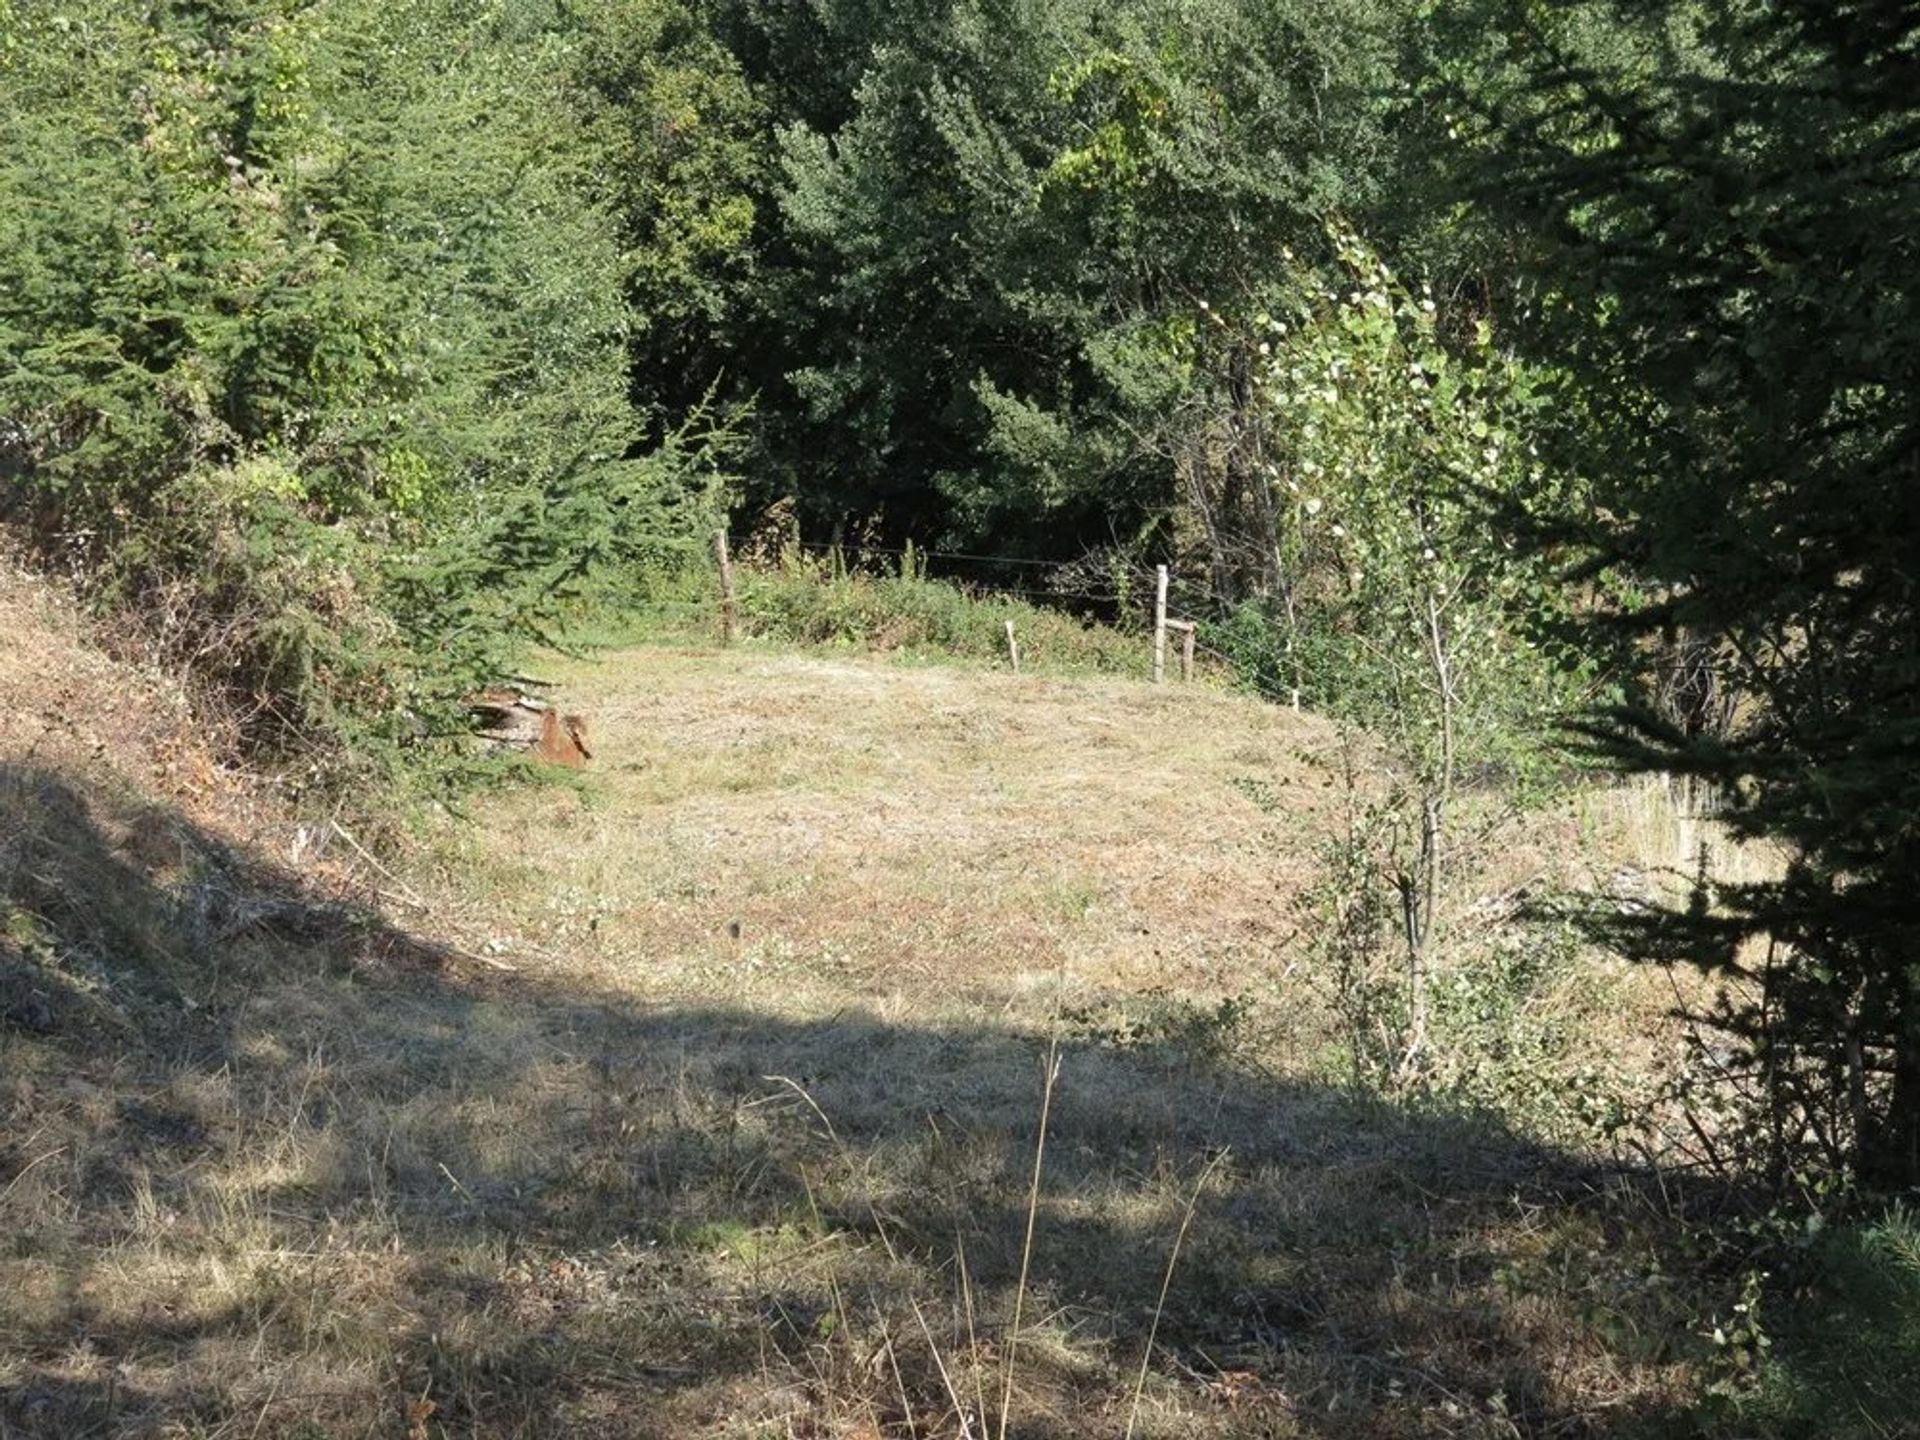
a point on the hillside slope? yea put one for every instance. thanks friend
(700, 1098)
(64, 702)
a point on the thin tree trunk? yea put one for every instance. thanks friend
(1437, 791)
(1889, 1152)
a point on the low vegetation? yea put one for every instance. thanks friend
(878, 605)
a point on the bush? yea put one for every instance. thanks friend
(1844, 1360)
(313, 348)
(818, 601)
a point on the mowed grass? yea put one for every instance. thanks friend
(799, 830)
(702, 1098)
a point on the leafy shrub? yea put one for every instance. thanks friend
(1840, 1353)
(1510, 1001)
(1515, 1028)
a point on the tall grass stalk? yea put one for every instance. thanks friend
(1166, 1285)
(973, 1335)
(1033, 1211)
(946, 1377)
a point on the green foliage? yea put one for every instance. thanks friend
(1719, 204)
(680, 155)
(313, 343)
(896, 611)
(1512, 1014)
(1401, 607)
(987, 238)
(353, 344)
(1351, 915)
(1495, 1021)
(1843, 1359)
(1394, 603)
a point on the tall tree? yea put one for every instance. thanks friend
(1725, 205)
(315, 318)
(990, 246)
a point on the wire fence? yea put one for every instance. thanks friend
(1126, 596)
(1136, 592)
(1122, 589)
(920, 552)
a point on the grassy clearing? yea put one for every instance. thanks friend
(782, 819)
(702, 1099)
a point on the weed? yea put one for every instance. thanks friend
(1176, 1028)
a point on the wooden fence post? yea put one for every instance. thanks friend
(1187, 631)
(1013, 648)
(729, 606)
(1160, 625)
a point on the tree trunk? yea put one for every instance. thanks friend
(1889, 1157)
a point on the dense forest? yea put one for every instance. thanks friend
(1531, 385)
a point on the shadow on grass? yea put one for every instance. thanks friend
(270, 1165)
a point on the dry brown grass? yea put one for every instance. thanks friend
(63, 700)
(777, 824)
(742, 1143)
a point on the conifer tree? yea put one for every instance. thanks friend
(314, 337)
(991, 241)
(1725, 203)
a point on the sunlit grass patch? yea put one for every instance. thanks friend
(882, 607)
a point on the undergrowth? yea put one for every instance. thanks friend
(1847, 1360)
(895, 610)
